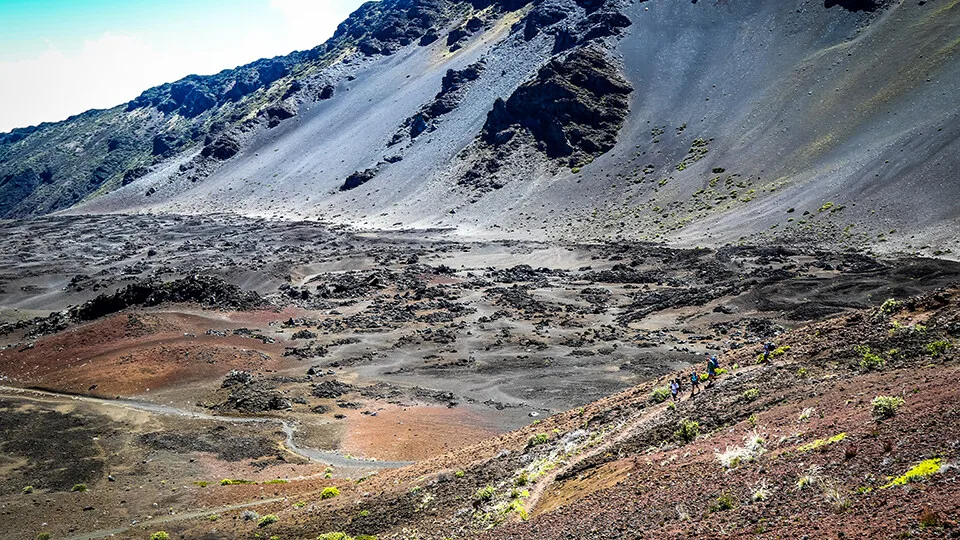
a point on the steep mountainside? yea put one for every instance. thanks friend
(699, 122)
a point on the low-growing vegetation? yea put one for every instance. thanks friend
(267, 520)
(660, 394)
(753, 448)
(937, 348)
(687, 431)
(821, 444)
(869, 360)
(537, 440)
(484, 494)
(919, 473)
(329, 492)
(886, 406)
(235, 482)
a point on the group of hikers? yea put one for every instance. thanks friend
(712, 366)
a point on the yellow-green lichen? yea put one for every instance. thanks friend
(923, 470)
(822, 443)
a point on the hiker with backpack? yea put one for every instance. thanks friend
(712, 365)
(694, 383)
(768, 348)
(674, 389)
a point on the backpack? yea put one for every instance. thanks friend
(693, 378)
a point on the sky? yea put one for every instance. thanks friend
(62, 57)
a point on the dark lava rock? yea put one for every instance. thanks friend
(452, 89)
(357, 179)
(327, 92)
(278, 112)
(236, 377)
(330, 389)
(134, 173)
(208, 291)
(304, 334)
(254, 397)
(574, 107)
(222, 148)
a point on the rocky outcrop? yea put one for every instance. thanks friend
(210, 292)
(278, 112)
(453, 87)
(358, 178)
(573, 108)
(222, 148)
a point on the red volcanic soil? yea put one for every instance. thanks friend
(414, 433)
(132, 353)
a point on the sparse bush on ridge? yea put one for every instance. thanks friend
(886, 406)
(753, 447)
(937, 348)
(267, 520)
(329, 492)
(890, 306)
(484, 494)
(660, 394)
(538, 439)
(160, 535)
(724, 502)
(687, 430)
(868, 359)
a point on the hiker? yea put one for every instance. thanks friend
(768, 348)
(675, 389)
(694, 383)
(712, 365)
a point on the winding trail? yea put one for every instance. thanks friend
(334, 459)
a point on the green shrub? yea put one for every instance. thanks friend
(43, 536)
(27, 490)
(460, 473)
(79, 488)
(344, 536)
(660, 394)
(868, 359)
(724, 502)
(522, 480)
(484, 494)
(751, 394)
(276, 481)
(886, 406)
(364, 513)
(267, 520)
(160, 535)
(687, 430)
(937, 348)
(890, 306)
(299, 504)
(329, 492)
(538, 439)
(232, 482)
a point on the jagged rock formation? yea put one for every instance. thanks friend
(573, 108)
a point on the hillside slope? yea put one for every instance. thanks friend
(794, 446)
(698, 122)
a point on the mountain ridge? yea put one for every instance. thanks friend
(798, 121)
